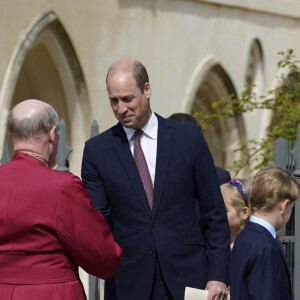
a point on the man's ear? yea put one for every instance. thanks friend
(52, 134)
(147, 90)
(283, 204)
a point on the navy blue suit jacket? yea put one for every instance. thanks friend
(223, 175)
(188, 255)
(258, 266)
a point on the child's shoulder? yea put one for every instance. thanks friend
(254, 238)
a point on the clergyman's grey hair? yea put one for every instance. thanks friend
(30, 127)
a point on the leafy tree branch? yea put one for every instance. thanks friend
(283, 102)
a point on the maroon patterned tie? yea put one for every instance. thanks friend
(142, 166)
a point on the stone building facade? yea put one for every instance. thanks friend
(195, 51)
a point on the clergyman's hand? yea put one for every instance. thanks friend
(217, 290)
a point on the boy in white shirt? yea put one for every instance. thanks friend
(258, 268)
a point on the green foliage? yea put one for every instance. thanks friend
(283, 101)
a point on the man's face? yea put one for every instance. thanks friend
(130, 106)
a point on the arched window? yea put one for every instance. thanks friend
(255, 66)
(256, 121)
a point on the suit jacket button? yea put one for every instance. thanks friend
(153, 225)
(151, 250)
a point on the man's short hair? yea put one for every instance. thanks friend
(138, 72)
(270, 186)
(30, 127)
(184, 117)
(140, 75)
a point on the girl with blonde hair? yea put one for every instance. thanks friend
(236, 194)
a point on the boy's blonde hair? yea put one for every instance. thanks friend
(270, 186)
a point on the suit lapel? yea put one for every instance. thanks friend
(123, 150)
(164, 140)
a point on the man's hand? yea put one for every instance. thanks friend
(217, 290)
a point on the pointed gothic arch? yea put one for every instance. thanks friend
(209, 83)
(45, 66)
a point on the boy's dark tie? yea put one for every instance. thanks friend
(142, 166)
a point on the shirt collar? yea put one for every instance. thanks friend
(150, 129)
(265, 224)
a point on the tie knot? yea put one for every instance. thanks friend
(137, 134)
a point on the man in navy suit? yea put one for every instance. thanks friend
(223, 175)
(156, 224)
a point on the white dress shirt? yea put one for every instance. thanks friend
(265, 224)
(148, 143)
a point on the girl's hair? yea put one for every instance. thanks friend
(236, 190)
(270, 186)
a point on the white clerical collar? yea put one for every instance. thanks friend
(265, 224)
(150, 129)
